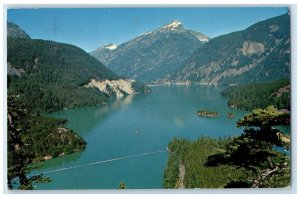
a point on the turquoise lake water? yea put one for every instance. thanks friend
(135, 125)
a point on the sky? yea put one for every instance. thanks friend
(90, 28)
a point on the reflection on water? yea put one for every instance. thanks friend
(83, 120)
(53, 163)
(179, 122)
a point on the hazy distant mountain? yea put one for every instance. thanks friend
(259, 53)
(104, 53)
(152, 55)
(14, 31)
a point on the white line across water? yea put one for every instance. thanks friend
(104, 161)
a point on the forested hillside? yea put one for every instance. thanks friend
(32, 137)
(192, 155)
(51, 75)
(45, 76)
(260, 95)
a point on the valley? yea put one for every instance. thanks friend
(169, 108)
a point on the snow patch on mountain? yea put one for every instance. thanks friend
(173, 25)
(111, 46)
(146, 33)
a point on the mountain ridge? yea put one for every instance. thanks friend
(13, 30)
(258, 53)
(152, 54)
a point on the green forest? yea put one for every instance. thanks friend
(246, 161)
(47, 137)
(45, 76)
(260, 95)
(194, 154)
(32, 137)
(53, 74)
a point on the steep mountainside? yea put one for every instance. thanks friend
(14, 31)
(257, 54)
(50, 76)
(152, 55)
(260, 95)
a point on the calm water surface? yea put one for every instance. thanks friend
(134, 125)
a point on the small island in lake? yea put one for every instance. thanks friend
(206, 113)
(230, 115)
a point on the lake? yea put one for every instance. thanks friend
(134, 132)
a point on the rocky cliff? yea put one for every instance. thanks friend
(114, 88)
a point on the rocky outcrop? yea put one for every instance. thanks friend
(14, 71)
(114, 88)
(250, 47)
(180, 184)
(282, 90)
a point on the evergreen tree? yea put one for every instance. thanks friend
(254, 150)
(18, 159)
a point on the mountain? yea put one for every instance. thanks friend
(14, 31)
(104, 53)
(152, 55)
(260, 53)
(50, 76)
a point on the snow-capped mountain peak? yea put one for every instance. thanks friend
(173, 25)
